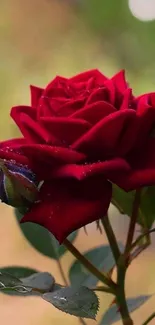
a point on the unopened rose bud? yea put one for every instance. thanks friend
(18, 185)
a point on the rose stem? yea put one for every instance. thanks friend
(111, 237)
(149, 319)
(122, 265)
(120, 295)
(66, 283)
(88, 265)
(62, 272)
(133, 220)
(121, 271)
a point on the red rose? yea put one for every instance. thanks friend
(80, 135)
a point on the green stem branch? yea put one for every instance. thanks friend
(103, 289)
(120, 295)
(111, 237)
(138, 240)
(133, 220)
(89, 266)
(62, 272)
(149, 319)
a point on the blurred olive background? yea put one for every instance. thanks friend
(42, 38)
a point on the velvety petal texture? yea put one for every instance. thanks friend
(66, 206)
(80, 135)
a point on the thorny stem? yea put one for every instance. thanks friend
(89, 266)
(62, 272)
(121, 272)
(120, 295)
(111, 237)
(103, 289)
(123, 264)
(133, 220)
(66, 283)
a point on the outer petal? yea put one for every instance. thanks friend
(54, 84)
(68, 205)
(105, 136)
(80, 172)
(36, 94)
(16, 112)
(11, 150)
(46, 153)
(146, 118)
(142, 171)
(119, 81)
(32, 130)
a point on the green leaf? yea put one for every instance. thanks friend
(101, 257)
(112, 315)
(42, 281)
(42, 239)
(77, 301)
(18, 291)
(18, 272)
(8, 280)
(13, 286)
(15, 282)
(123, 200)
(148, 206)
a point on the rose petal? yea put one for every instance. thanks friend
(146, 118)
(16, 112)
(72, 106)
(67, 206)
(126, 99)
(152, 99)
(48, 153)
(64, 129)
(111, 91)
(55, 83)
(32, 131)
(80, 172)
(142, 170)
(36, 93)
(56, 92)
(11, 150)
(119, 81)
(97, 95)
(85, 76)
(104, 137)
(127, 141)
(94, 112)
(12, 143)
(50, 106)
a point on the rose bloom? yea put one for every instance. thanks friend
(80, 135)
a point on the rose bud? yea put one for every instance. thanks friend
(18, 185)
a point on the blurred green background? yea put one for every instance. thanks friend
(42, 38)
